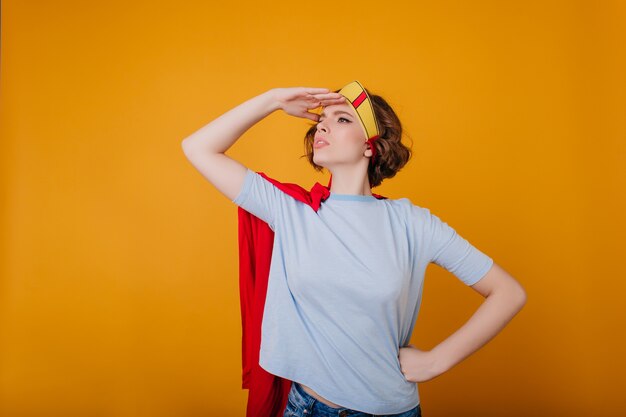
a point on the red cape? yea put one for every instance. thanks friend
(267, 395)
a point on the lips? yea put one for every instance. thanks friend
(319, 142)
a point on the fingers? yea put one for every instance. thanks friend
(330, 102)
(311, 116)
(316, 90)
(326, 99)
(330, 96)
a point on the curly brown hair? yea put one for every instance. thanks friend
(392, 154)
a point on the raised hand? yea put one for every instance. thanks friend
(297, 101)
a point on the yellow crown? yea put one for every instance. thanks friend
(358, 98)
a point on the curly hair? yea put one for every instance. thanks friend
(392, 154)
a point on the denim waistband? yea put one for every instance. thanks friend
(313, 407)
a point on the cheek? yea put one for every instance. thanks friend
(357, 133)
(350, 133)
(351, 145)
(356, 137)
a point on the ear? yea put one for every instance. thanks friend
(368, 151)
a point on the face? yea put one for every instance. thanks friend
(341, 129)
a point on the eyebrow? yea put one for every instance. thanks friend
(336, 112)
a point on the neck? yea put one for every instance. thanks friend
(350, 180)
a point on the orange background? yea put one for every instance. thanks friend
(119, 286)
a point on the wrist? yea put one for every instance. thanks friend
(441, 363)
(273, 103)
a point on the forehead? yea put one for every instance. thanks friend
(338, 109)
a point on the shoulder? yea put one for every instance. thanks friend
(405, 203)
(413, 211)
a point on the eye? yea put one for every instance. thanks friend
(341, 118)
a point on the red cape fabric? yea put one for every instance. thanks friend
(267, 393)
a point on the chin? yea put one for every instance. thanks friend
(319, 161)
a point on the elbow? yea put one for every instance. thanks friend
(190, 149)
(187, 148)
(513, 293)
(520, 296)
(183, 145)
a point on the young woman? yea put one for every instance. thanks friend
(346, 279)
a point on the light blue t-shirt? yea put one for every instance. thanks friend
(345, 286)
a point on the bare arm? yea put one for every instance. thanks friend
(504, 298)
(206, 148)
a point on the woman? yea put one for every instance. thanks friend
(346, 279)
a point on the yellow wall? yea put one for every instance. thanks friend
(119, 287)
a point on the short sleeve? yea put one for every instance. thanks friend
(454, 253)
(261, 198)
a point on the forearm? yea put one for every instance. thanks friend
(221, 133)
(489, 319)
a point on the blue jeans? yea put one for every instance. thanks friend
(301, 404)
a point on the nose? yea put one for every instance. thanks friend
(321, 127)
